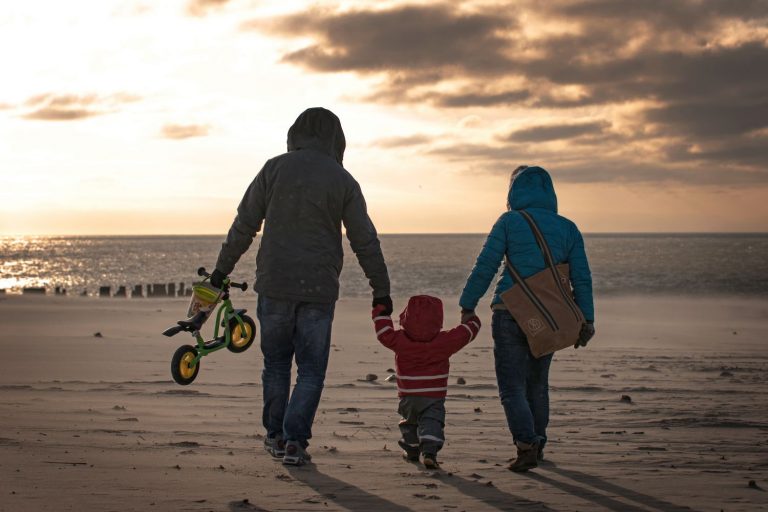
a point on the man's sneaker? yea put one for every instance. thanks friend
(295, 454)
(275, 446)
(527, 455)
(430, 460)
(410, 453)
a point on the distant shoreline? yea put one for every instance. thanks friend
(587, 234)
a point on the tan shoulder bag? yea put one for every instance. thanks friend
(543, 305)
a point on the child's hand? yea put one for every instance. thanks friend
(383, 301)
(379, 310)
(472, 319)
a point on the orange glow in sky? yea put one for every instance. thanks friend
(138, 117)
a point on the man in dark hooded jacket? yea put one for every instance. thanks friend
(302, 197)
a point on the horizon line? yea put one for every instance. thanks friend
(390, 233)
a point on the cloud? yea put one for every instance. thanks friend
(408, 140)
(712, 119)
(73, 107)
(471, 121)
(570, 168)
(184, 131)
(203, 7)
(683, 83)
(406, 37)
(558, 131)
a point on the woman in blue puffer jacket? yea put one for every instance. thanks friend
(523, 379)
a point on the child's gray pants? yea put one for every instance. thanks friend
(423, 422)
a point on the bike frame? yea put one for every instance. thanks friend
(224, 314)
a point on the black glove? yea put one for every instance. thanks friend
(587, 331)
(466, 314)
(383, 301)
(217, 278)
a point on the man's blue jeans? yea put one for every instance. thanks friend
(523, 380)
(293, 329)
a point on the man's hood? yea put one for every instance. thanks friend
(532, 188)
(318, 128)
(422, 318)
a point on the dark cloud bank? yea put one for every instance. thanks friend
(691, 77)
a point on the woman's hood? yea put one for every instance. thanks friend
(422, 318)
(318, 128)
(532, 188)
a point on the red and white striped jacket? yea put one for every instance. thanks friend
(422, 350)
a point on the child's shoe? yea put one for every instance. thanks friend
(295, 454)
(275, 446)
(430, 460)
(527, 455)
(410, 453)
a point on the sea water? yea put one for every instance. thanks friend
(689, 264)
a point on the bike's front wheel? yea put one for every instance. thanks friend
(240, 338)
(182, 368)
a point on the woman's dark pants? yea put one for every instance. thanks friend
(523, 381)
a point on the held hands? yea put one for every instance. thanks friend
(383, 304)
(467, 315)
(587, 331)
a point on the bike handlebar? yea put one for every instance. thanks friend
(242, 286)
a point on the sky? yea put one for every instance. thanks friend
(139, 117)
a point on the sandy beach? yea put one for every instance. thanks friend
(95, 423)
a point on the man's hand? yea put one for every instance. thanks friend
(383, 301)
(587, 331)
(467, 314)
(217, 278)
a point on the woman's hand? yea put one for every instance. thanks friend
(587, 331)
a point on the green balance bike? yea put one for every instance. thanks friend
(239, 329)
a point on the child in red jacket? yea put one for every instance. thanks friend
(422, 352)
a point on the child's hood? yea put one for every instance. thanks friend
(422, 318)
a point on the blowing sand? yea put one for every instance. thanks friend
(95, 423)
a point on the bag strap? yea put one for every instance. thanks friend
(512, 270)
(540, 240)
(542, 243)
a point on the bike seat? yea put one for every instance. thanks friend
(195, 323)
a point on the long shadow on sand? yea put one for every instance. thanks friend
(341, 492)
(493, 496)
(608, 502)
(245, 506)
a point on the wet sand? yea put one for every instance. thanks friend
(95, 423)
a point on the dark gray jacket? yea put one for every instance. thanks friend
(303, 197)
